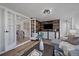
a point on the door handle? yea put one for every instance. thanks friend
(6, 31)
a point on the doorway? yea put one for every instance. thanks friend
(22, 30)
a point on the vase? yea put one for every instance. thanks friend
(41, 45)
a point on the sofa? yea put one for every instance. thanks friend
(69, 49)
(70, 45)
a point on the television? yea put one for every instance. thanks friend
(48, 26)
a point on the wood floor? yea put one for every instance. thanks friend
(25, 48)
(21, 41)
(21, 49)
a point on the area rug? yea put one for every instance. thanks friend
(35, 52)
(57, 50)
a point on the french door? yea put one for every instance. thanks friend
(2, 41)
(10, 33)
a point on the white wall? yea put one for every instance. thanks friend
(76, 20)
(76, 23)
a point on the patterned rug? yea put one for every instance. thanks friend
(35, 52)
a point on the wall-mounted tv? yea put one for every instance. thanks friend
(48, 26)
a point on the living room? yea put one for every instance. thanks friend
(33, 28)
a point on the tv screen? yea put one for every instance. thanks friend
(48, 26)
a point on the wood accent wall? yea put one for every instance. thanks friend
(40, 26)
(55, 25)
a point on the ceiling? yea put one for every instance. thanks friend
(59, 10)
